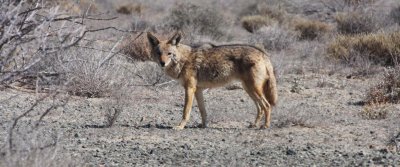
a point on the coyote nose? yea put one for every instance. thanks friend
(162, 64)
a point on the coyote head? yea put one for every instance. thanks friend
(164, 52)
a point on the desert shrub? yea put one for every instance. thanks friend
(196, 19)
(310, 29)
(130, 8)
(380, 48)
(139, 24)
(37, 33)
(346, 5)
(87, 76)
(78, 7)
(136, 47)
(387, 91)
(395, 14)
(274, 37)
(298, 116)
(271, 11)
(151, 74)
(358, 22)
(374, 112)
(255, 22)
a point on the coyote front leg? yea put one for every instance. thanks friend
(202, 107)
(189, 94)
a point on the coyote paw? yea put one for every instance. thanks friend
(264, 127)
(178, 127)
(202, 126)
(252, 126)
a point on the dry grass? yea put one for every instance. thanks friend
(298, 116)
(78, 7)
(197, 20)
(272, 11)
(387, 91)
(255, 22)
(374, 112)
(275, 37)
(346, 5)
(130, 9)
(136, 47)
(380, 48)
(310, 29)
(88, 77)
(395, 14)
(358, 22)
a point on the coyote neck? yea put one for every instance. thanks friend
(174, 70)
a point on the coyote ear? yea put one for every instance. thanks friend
(152, 39)
(175, 39)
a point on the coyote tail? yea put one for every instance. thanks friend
(270, 89)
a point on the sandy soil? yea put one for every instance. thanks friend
(318, 126)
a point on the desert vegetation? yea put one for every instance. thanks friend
(77, 86)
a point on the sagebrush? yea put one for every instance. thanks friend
(387, 91)
(380, 48)
(255, 22)
(197, 20)
(310, 29)
(359, 22)
(275, 37)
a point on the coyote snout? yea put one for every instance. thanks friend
(206, 67)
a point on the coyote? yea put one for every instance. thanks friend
(200, 68)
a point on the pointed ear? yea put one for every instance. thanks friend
(152, 39)
(175, 39)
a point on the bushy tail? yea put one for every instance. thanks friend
(270, 89)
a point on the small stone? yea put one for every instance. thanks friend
(290, 152)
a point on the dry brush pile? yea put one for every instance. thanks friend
(45, 50)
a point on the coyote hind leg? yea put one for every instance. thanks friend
(256, 102)
(256, 91)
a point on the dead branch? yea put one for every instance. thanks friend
(52, 107)
(15, 121)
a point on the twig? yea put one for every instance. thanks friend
(156, 85)
(109, 54)
(86, 47)
(65, 101)
(15, 122)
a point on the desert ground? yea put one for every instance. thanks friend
(122, 113)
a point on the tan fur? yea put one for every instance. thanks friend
(213, 66)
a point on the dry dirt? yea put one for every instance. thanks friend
(317, 125)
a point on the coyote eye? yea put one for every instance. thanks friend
(169, 54)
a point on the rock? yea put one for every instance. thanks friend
(290, 151)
